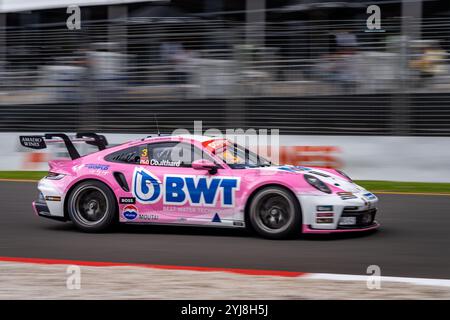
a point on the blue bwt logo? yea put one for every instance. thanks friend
(200, 191)
(182, 189)
(146, 187)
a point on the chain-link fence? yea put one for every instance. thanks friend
(303, 77)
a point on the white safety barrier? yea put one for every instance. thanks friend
(424, 159)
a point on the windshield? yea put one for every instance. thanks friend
(236, 156)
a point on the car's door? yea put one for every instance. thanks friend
(168, 190)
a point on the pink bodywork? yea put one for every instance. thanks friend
(94, 166)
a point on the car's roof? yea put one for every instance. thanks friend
(193, 137)
(199, 138)
(181, 137)
(163, 138)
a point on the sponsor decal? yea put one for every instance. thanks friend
(216, 218)
(127, 200)
(181, 189)
(369, 196)
(215, 144)
(196, 210)
(301, 168)
(146, 187)
(200, 191)
(148, 217)
(324, 220)
(165, 163)
(53, 198)
(324, 208)
(144, 156)
(95, 166)
(34, 142)
(346, 195)
(324, 214)
(130, 212)
(294, 168)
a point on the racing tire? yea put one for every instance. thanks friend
(275, 213)
(92, 206)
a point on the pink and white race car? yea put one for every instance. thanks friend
(196, 180)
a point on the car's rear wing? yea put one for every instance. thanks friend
(40, 142)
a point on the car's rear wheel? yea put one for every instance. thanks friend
(275, 213)
(92, 206)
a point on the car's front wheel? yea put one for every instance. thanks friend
(275, 213)
(92, 206)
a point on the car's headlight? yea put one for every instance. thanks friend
(343, 174)
(317, 183)
(54, 176)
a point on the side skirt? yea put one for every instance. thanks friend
(240, 225)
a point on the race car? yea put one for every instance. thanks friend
(196, 180)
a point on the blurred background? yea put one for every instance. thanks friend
(306, 67)
(310, 67)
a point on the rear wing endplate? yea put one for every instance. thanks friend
(39, 142)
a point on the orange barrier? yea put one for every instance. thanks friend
(320, 156)
(34, 159)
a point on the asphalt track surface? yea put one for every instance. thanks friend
(414, 241)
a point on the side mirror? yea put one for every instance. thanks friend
(204, 164)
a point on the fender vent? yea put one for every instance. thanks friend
(120, 178)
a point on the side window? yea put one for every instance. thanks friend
(174, 154)
(129, 155)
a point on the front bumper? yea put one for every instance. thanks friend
(333, 214)
(307, 229)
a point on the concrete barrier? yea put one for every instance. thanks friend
(425, 159)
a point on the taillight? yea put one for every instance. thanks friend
(54, 176)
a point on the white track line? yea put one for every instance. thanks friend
(350, 277)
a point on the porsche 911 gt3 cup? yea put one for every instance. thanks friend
(196, 180)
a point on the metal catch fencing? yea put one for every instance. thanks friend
(302, 77)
